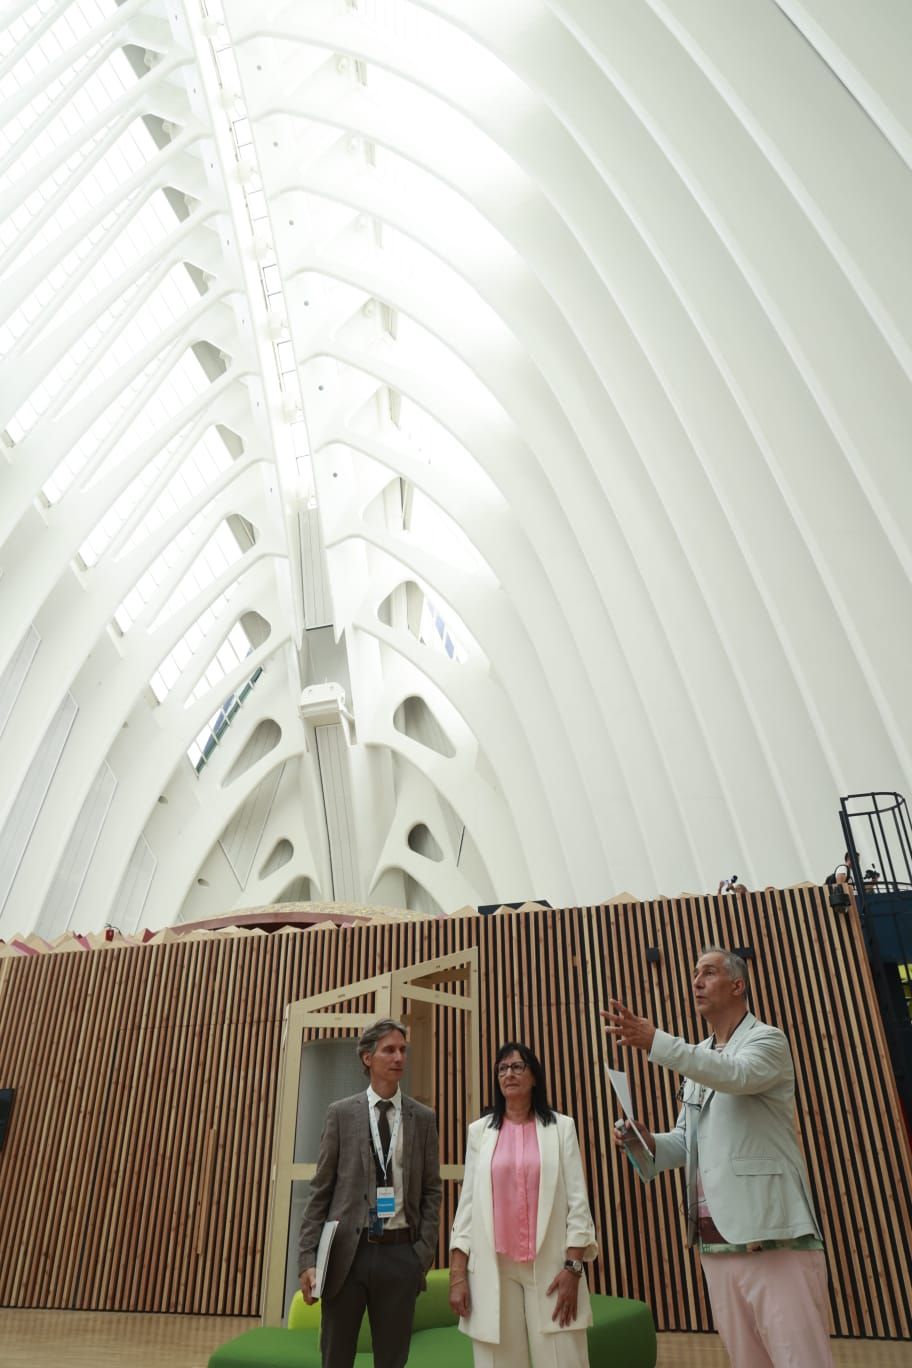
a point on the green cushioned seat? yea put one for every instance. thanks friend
(432, 1309)
(444, 1347)
(304, 1317)
(622, 1333)
(271, 1347)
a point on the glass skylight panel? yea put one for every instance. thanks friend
(436, 631)
(394, 16)
(205, 463)
(173, 295)
(51, 209)
(207, 459)
(206, 740)
(235, 648)
(72, 464)
(82, 346)
(95, 545)
(181, 656)
(86, 98)
(145, 589)
(171, 388)
(220, 552)
(69, 31)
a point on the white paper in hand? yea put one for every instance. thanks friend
(635, 1146)
(323, 1248)
(618, 1081)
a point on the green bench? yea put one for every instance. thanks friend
(622, 1333)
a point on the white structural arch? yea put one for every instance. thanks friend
(451, 452)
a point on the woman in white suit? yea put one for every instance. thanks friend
(523, 1228)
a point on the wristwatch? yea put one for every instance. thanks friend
(574, 1266)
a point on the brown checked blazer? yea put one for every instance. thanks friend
(344, 1186)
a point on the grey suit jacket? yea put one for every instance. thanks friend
(737, 1123)
(345, 1184)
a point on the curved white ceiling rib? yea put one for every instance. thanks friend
(577, 333)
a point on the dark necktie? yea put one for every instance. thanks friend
(383, 1131)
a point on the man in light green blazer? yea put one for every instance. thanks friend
(749, 1205)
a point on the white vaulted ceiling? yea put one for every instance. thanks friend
(451, 452)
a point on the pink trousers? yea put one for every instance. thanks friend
(770, 1308)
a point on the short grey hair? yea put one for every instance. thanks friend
(374, 1034)
(735, 966)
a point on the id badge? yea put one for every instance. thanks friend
(386, 1202)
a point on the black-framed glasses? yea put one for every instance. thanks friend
(517, 1067)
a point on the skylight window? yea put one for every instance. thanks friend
(101, 536)
(104, 343)
(220, 552)
(436, 630)
(156, 394)
(234, 648)
(206, 740)
(146, 588)
(208, 458)
(87, 170)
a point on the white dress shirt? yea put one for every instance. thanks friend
(397, 1221)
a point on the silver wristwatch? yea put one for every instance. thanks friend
(574, 1266)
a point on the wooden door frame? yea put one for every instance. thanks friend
(417, 985)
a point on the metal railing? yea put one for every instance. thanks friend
(879, 822)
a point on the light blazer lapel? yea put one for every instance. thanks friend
(710, 1092)
(408, 1137)
(486, 1148)
(549, 1157)
(361, 1120)
(744, 1028)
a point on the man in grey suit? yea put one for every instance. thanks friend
(749, 1205)
(378, 1175)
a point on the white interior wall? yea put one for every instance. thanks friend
(586, 321)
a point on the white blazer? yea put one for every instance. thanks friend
(564, 1222)
(737, 1123)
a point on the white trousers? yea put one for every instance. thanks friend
(521, 1342)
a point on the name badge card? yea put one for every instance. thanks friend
(386, 1202)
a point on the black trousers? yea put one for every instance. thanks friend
(384, 1280)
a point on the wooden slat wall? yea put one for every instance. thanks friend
(135, 1171)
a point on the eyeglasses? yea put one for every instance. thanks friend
(515, 1068)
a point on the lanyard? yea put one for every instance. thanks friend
(375, 1136)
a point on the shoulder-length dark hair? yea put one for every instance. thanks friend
(540, 1104)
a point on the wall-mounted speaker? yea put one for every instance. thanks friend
(6, 1111)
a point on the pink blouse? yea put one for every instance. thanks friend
(515, 1171)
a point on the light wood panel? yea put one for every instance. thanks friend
(91, 1339)
(134, 1176)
